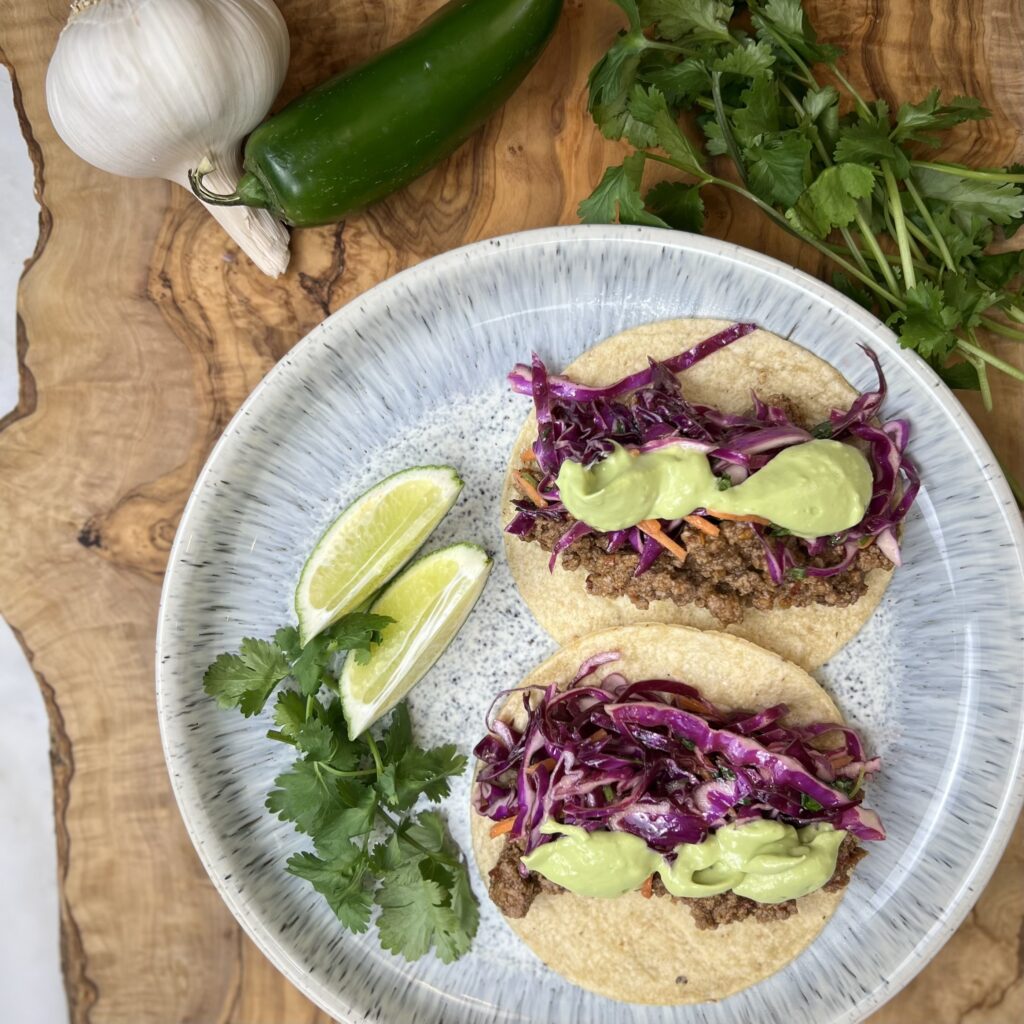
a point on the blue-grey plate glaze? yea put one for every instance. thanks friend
(412, 373)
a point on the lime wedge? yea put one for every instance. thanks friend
(429, 603)
(369, 542)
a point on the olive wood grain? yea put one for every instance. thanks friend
(141, 329)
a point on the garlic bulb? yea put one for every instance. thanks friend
(151, 88)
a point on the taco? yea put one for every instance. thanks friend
(668, 815)
(733, 480)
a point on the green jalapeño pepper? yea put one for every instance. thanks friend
(373, 129)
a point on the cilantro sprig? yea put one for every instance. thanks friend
(909, 236)
(357, 799)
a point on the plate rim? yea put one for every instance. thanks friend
(1007, 811)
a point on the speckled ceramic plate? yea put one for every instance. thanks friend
(413, 372)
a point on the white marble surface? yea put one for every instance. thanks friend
(31, 985)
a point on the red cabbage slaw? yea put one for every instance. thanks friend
(647, 410)
(656, 759)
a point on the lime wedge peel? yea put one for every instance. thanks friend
(429, 603)
(370, 541)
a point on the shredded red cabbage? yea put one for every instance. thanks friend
(658, 760)
(647, 410)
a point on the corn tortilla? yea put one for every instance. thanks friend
(641, 950)
(762, 362)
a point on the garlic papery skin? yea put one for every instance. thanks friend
(152, 88)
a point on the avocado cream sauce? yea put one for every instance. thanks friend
(812, 489)
(764, 860)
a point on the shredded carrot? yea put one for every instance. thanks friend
(647, 889)
(600, 734)
(527, 455)
(702, 524)
(548, 762)
(733, 517)
(527, 487)
(842, 761)
(653, 530)
(503, 826)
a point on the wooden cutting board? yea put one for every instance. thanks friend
(140, 330)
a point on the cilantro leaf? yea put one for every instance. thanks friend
(310, 668)
(759, 113)
(353, 816)
(305, 795)
(752, 59)
(960, 376)
(316, 739)
(999, 269)
(420, 771)
(868, 142)
(680, 83)
(287, 638)
(342, 880)
(357, 631)
(398, 737)
(290, 712)
(416, 913)
(778, 168)
(678, 204)
(245, 680)
(617, 197)
(649, 105)
(822, 109)
(612, 77)
(831, 199)
(677, 18)
(927, 325)
(787, 20)
(999, 202)
(914, 120)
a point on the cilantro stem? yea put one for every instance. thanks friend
(346, 775)
(902, 240)
(723, 127)
(917, 239)
(770, 211)
(848, 86)
(854, 250)
(929, 220)
(694, 172)
(807, 74)
(982, 370)
(397, 826)
(992, 360)
(372, 744)
(276, 734)
(967, 172)
(869, 239)
(1004, 329)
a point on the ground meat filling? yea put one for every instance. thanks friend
(725, 574)
(513, 893)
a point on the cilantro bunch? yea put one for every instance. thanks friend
(355, 799)
(908, 235)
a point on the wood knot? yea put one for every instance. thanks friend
(89, 536)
